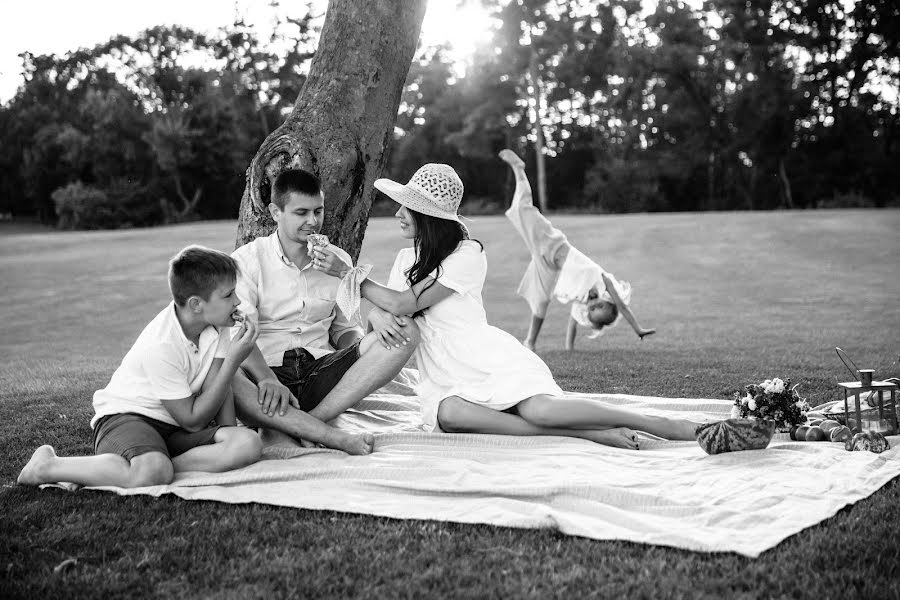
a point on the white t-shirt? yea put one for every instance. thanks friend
(161, 365)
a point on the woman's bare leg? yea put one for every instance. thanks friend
(585, 413)
(456, 415)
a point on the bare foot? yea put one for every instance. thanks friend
(617, 437)
(683, 430)
(34, 471)
(351, 443)
(512, 159)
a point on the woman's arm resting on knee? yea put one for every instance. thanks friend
(389, 328)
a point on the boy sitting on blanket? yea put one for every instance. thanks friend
(155, 417)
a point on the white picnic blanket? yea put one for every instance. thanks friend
(668, 493)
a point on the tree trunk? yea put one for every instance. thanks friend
(535, 76)
(785, 184)
(343, 120)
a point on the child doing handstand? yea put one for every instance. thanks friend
(557, 269)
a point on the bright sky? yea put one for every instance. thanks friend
(57, 26)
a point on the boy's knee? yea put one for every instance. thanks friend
(451, 414)
(153, 468)
(243, 446)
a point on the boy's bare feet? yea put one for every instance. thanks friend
(617, 437)
(512, 159)
(33, 473)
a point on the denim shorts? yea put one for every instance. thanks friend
(310, 379)
(130, 435)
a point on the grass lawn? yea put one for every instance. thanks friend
(736, 298)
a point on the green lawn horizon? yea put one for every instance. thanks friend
(736, 297)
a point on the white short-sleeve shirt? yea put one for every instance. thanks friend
(161, 365)
(295, 308)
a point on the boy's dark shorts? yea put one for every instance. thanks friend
(310, 379)
(130, 435)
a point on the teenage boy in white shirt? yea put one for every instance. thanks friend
(154, 417)
(311, 357)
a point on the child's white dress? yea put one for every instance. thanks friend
(557, 269)
(460, 354)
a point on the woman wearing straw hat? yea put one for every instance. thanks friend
(474, 377)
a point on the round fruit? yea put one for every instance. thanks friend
(815, 434)
(828, 425)
(800, 433)
(793, 432)
(840, 433)
(815, 422)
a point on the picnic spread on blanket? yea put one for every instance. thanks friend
(668, 493)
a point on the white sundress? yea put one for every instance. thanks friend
(460, 354)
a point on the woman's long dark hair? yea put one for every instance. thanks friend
(435, 240)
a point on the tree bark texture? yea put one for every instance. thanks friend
(343, 120)
(538, 132)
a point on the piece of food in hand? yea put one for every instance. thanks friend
(238, 317)
(841, 433)
(315, 240)
(815, 434)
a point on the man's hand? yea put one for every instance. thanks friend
(388, 328)
(273, 396)
(244, 341)
(327, 261)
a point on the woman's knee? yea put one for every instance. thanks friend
(152, 468)
(538, 410)
(452, 413)
(241, 445)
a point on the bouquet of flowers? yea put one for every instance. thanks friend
(773, 399)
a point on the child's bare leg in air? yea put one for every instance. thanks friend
(546, 244)
(456, 415)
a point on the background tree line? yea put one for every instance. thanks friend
(735, 104)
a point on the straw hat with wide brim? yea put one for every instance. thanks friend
(433, 190)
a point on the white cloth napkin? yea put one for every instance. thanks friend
(348, 294)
